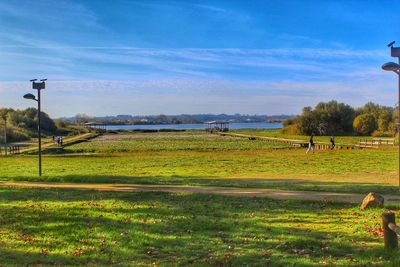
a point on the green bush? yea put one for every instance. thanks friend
(364, 124)
(14, 134)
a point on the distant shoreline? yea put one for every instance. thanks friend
(194, 126)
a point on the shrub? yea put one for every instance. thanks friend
(292, 129)
(377, 133)
(291, 126)
(364, 124)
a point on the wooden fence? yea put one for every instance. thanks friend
(292, 142)
(8, 150)
(376, 142)
(390, 230)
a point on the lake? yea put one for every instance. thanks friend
(249, 125)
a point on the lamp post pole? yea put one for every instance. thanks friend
(398, 115)
(40, 134)
(5, 134)
(38, 86)
(395, 67)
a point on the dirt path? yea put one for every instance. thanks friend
(229, 191)
(66, 141)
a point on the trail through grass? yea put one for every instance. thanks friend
(200, 159)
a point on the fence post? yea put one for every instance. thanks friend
(390, 237)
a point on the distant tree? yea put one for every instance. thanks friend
(364, 124)
(61, 123)
(5, 111)
(27, 119)
(384, 119)
(291, 126)
(81, 118)
(392, 129)
(160, 119)
(326, 119)
(338, 118)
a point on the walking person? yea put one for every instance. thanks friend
(311, 144)
(332, 142)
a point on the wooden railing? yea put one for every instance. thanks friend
(375, 142)
(293, 142)
(8, 150)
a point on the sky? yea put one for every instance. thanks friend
(171, 57)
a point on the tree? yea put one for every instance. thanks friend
(27, 119)
(291, 126)
(364, 124)
(384, 119)
(81, 118)
(326, 119)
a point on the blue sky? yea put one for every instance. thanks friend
(171, 57)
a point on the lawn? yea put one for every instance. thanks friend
(339, 140)
(195, 158)
(78, 227)
(168, 141)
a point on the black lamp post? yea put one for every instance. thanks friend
(5, 133)
(38, 86)
(391, 66)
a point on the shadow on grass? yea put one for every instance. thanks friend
(273, 183)
(74, 227)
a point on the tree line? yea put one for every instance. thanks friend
(333, 118)
(22, 124)
(174, 119)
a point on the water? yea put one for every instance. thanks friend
(250, 125)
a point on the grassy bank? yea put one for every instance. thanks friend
(75, 227)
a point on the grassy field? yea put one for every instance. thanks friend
(200, 159)
(76, 227)
(191, 141)
(339, 140)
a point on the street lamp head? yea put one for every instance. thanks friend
(33, 80)
(39, 85)
(30, 96)
(43, 80)
(391, 66)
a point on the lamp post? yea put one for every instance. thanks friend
(5, 133)
(38, 86)
(391, 66)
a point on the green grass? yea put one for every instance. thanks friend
(341, 171)
(195, 158)
(339, 140)
(191, 141)
(77, 227)
(80, 227)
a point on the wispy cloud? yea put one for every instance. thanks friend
(192, 62)
(51, 13)
(107, 61)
